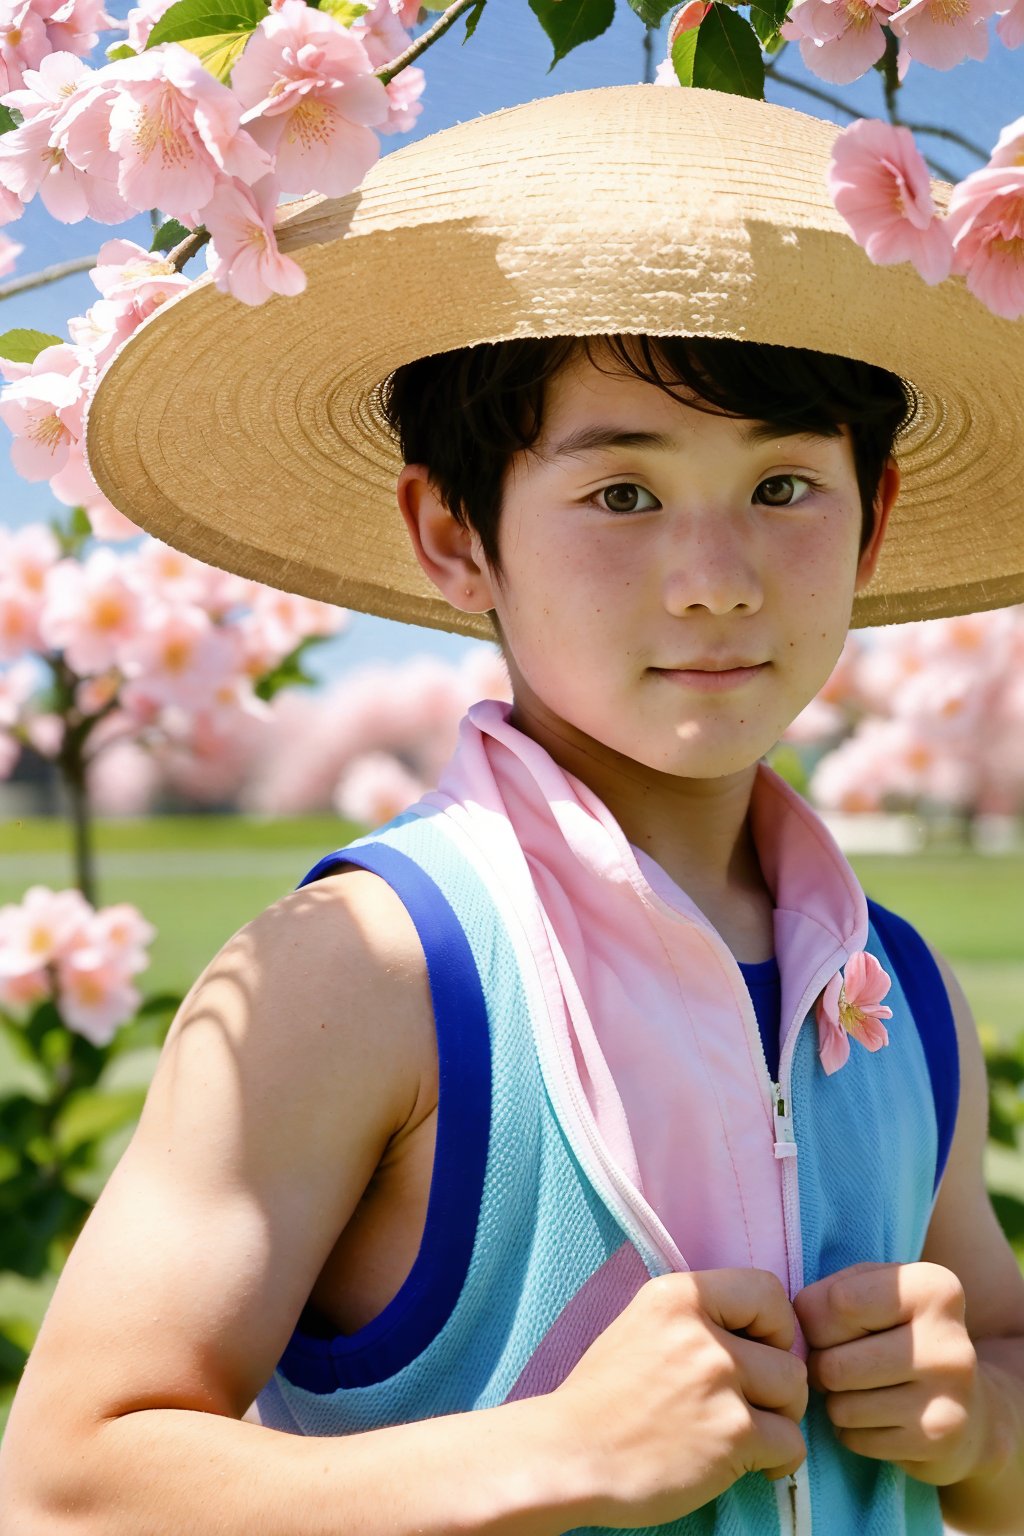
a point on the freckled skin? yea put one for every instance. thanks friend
(590, 599)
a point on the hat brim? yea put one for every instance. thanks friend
(253, 439)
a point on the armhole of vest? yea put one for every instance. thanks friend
(430, 1292)
(925, 991)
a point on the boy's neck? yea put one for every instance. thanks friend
(697, 830)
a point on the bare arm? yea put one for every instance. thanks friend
(965, 1237)
(291, 1064)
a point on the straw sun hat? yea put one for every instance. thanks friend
(252, 437)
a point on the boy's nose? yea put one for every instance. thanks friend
(713, 572)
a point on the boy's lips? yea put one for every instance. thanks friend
(712, 676)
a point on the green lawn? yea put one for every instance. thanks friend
(198, 879)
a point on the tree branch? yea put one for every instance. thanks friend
(441, 25)
(952, 135)
(46, 275)
(834, 101)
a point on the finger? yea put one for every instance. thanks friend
(750, 1301)
(887, 1408)
(855, 1301)
(778, 1446)
(876, 1360)
(770, 1378)
(901, 1446)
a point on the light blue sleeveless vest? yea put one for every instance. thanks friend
(531, 1249)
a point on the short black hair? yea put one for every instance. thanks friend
(465, 413)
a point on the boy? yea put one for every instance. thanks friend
(520, 1164)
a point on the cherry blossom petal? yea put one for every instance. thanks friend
(879, 184)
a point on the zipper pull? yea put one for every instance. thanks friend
(785, 1141)
(792, 1500)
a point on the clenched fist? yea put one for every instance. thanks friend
(890, 1350)
(689, 1388)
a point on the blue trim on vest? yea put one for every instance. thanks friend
(764, 984)
(429, 1294)
(925, 991)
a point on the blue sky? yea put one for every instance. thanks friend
(504, 63)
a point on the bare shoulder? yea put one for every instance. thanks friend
(298, 1054)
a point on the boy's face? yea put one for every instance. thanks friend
(677, 606)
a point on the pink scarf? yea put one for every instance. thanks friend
(648, 1006)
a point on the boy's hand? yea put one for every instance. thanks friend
(890, 1351)
(690, 1387)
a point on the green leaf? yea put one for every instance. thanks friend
(90, 1115)
(728, 56)
(289, 672)
(218, 55)
(16, 1339)
(683, 51)
(571, 22)
(472, 18)
(345, 11)
(120, 51)
(6, 120)
(767, 17)
(25, 346)
(216, 31)
(653, 12)
(170, 234)
(80, 528)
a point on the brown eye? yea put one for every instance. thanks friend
(623, 497)
(777, 483)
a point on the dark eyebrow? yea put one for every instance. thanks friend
(590, 439)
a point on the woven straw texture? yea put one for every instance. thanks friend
(253, 437)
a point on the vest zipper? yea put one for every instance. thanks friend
(794, 1502)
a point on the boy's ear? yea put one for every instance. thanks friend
(451, 555)
(885, 498)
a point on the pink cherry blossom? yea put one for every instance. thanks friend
(287, 618)
(19, 621)
(17, 685)
(74, 27)
(167, 575)
(178, 659)
(382, 32)
(839, 39)
(1009, 148)
(134, 283)
(74, 486)
(91, 611)
(45, 732)
(942, 35)
(26, 556)
(11, 208)
(20, 994)
(43, 410)
(141, 21)
(852, 1005)
(23, 42)
(32, 159)
(374, 788)
(115, 936)
(404, 93)
(879, 184)
(1010, 26)
(173, 128)
(10, 250)
(312, 99)
(95, 1000)
(242, 255)
(986, 224)
(39, 930)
